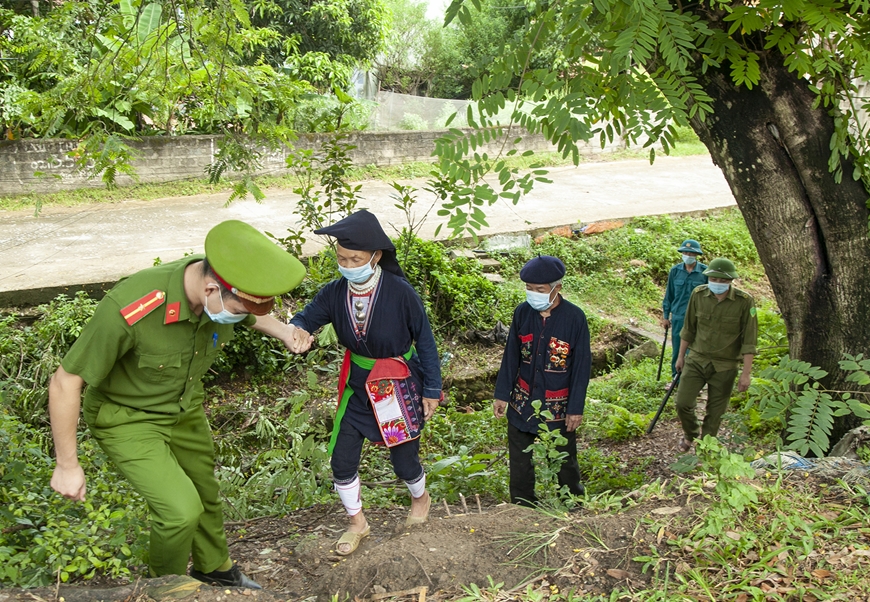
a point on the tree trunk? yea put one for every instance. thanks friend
(811, 233)
(34, 6)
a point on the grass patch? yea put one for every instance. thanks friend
(621, 274)
(802, 539)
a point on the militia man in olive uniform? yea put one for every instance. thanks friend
(720, 328)
(143, 356)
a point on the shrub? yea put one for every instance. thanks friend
(317, 113)
(455, 292)
(273, 454)
(412, 121)
(29, 355)
(50, 538)
(608, 472)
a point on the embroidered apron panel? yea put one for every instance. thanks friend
(387, 389)
(408, 393)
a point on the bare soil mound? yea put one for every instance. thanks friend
(294, 557)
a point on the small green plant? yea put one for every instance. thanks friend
(548, 460)
(732, 473)
(406, 202)
(465, 473)
(793, 394)
(473, 593)
(323, 183)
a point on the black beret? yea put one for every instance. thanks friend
(543, 269)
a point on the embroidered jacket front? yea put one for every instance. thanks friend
(547, 359)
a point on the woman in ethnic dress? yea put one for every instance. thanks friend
(390, 382)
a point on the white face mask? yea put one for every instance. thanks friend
(224, 316)
(539, 301)
(358, 275)
(689, 259)
(717, 288)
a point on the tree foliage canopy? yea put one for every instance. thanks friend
(86, 68)
(321, 41)
(632, 68)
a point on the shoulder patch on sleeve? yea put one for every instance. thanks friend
(752, 311)
(142, 307)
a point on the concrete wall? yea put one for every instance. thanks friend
(45, 165)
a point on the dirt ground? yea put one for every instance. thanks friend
(294, 557)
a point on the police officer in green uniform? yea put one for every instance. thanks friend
(720, 328)
(143, 355)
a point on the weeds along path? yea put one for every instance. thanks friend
(642, 545)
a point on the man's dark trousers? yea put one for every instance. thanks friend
(522, 471)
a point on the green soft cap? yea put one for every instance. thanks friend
(246, 259)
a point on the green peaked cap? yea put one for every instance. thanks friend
(247, 260)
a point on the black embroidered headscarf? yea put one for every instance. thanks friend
(361, 231)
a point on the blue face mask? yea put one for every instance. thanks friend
(539, 301)
(358, 275)
(224, 316)
(689, 259)
(717, 288)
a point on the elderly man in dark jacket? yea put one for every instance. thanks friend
(547, 358)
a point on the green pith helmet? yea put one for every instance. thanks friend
(690, 246)
(721, 268)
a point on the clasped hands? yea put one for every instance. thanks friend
(297, 340)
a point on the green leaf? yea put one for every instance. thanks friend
(149, 21)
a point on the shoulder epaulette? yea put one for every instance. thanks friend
(142, 307)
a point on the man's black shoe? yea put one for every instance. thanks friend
(231, 578)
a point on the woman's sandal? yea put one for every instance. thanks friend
(419, 520)
(351, 539)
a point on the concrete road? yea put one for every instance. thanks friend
(103, 242)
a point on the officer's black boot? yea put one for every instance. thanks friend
(231, 578)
